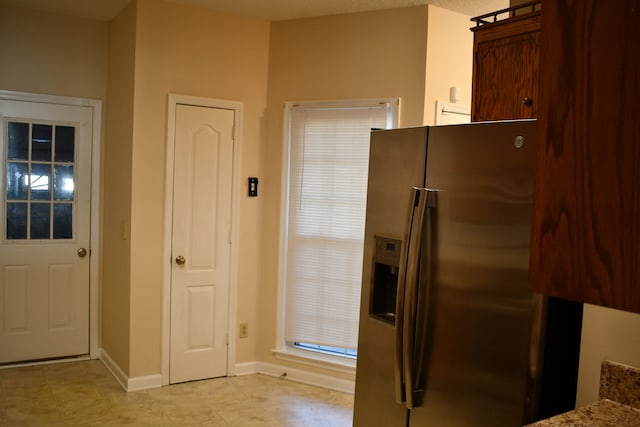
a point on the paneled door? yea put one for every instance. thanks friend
(202, 189)
(45, 152)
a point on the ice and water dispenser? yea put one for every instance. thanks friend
(385, 279)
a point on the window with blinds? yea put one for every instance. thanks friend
(328, 157)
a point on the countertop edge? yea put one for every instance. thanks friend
(599, 414)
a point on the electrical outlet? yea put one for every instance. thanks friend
(244, 330)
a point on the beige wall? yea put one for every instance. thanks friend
(449, 59)
(115, 296)
(353, 56)
(151, 49)
(155, 48)
(606, 335)
(59, 55)
(52, 54)
(189, 51)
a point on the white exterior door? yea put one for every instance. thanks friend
(45, 152)
(202, 189)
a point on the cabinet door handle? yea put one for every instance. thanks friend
(527, 101)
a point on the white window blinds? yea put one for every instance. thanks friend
(327, 191)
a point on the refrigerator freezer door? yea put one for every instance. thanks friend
(476, 355)
(396, 164)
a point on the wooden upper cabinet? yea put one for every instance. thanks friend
(505, 68)
(586, 222)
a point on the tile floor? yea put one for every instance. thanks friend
(85, 393)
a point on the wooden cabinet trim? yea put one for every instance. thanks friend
(520, 24)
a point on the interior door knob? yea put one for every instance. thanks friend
(82, 252)
(180, 260)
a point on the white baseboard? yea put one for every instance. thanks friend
(129, 384)
(113, 367)
(144, 383)
(247, 368)
(297, 375)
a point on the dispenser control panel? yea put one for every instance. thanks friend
(385, 279)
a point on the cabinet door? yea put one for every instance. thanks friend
(506, 69)
(586, 224)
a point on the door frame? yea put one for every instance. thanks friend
(96, 198)
(237, 107)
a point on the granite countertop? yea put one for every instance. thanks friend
(604, 413)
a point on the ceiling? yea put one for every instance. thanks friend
(274, 10)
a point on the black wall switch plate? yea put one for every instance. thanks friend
(253, 187)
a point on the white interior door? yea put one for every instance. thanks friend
(202, 189)
(45, 152)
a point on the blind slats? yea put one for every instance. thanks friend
(328, 166)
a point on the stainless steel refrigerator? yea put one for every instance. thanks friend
(450, 335)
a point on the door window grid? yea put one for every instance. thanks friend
(40, 181)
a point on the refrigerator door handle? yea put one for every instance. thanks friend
(423, 290)
(402, 274)
(410, 299)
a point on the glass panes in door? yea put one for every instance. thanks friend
(40, 181)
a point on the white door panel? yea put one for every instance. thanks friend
(201, 226)
(45, 152)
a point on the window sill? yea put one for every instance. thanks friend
(317, 360)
